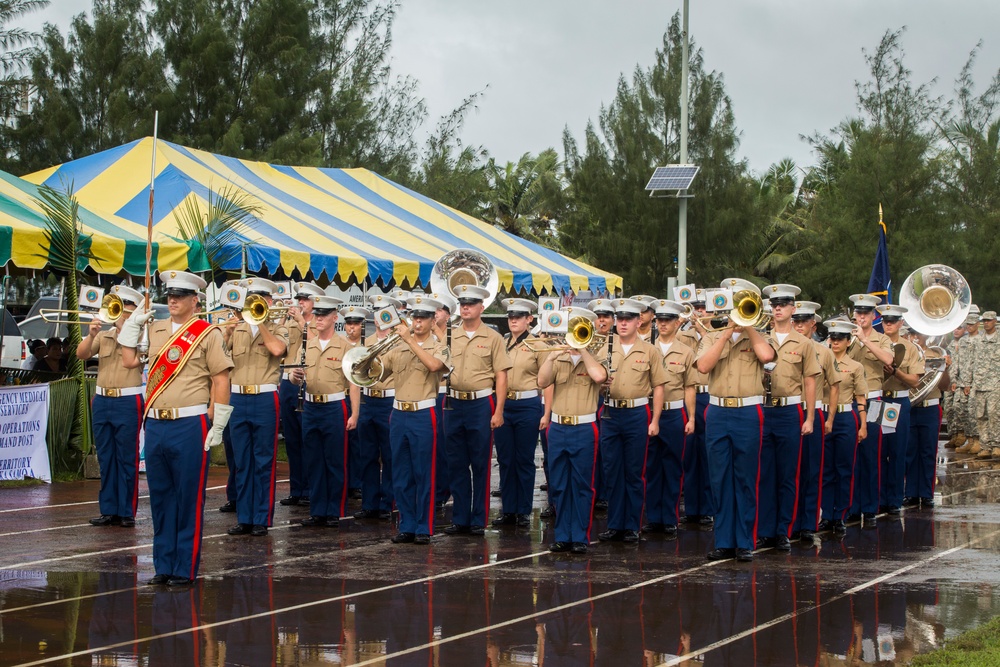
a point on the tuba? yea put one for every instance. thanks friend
(937, 298)
(934, 368)
(464, 266)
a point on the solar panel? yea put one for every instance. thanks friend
(673, 177)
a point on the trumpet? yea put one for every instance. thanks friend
(580, 334)
(256, 310)
(112, 308)
(748, 312)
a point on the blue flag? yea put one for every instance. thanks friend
(880, 284)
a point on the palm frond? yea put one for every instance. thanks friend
(223, 227)
(67, 250)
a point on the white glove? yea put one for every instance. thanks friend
(132, 328)
(214, 437)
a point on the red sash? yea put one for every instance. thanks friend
(173, 356)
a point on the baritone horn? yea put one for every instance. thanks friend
(937, 299)
(580, 334)
(748, 312)
(363, 365)
(464, 266)
(112, 308)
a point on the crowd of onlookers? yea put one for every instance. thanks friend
(50, 355)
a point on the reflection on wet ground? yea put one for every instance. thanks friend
(72, 594)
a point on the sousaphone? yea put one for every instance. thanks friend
(464, 266)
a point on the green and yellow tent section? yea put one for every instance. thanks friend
(348, 225)
(115, 244)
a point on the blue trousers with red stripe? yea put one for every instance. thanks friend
(442, 485)
(921, 453)
(811, 476)
(781, 456)
(291, 430)
(866, 468)
(572, 463)
(176, 472)
(733, 437)
(254, 430)
(227, 447)
(664, 468)
(470, 456)
(324, 436)
(413, 437)
(376, 454)
(117, 422)
(840, 450)
(624, 445)
(516, 442)
(893, 461)
(697, 484)
(354, 477)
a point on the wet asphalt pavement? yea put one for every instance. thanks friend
(73, 594)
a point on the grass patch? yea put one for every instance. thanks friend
(20, 483)
(979, 647)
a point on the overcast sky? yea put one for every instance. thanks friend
(789, 65)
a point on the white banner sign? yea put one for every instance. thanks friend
(24, 418)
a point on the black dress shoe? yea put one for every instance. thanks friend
(314, 522)
(103, 520)
(910, 501)
(560, 547)
(601, 506)
(422, 539)
(893, 511)
(367, 514)
(927, 502)
(720, 554)
(782, 543)
(824, 525)
(455, 529)
(179, 581)
(579, 548)
(692, 518)
(332, 521)
(631, 536)
(795, 536)
(505, 520)
(612, 536)
(870, 521)
(669, 529)
(543, 487)
(853, 518)
(477, 531)
(744, 555)
(652, 527)
(806, 535)
(259, 531)
(403, 538)
(839, 527)
(354, 494)
(439, 505)
(495, 494)
(228, 508)
(548, 512)
(159, 580)
(765, 542)
(127, 522)
(290, 500)
(707, 520)
(240, 529)
(384, 515)
(523, 521)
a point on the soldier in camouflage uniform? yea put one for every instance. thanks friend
(965, 418)
(949, 397)
(986, 385)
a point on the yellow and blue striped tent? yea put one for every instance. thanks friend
(345, 224)
(115, 244)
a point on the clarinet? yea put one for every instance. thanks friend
(611, 347)
(302, 362)
(446, 403)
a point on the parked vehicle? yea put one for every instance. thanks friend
(14, 347)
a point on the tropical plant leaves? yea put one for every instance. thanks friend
(222, 228)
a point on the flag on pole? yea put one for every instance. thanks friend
(880, 283)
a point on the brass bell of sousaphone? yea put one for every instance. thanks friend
(464, 266)
(937, 299)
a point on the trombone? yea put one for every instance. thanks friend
(111, 309)
(748, 312)
(580, 334)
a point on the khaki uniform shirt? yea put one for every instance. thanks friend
(678, 362)
(413, 381)
(852, 381)
(636, 373)
(912, 363)
(794, 360)
(574, 392)
(111, 374)
(828, 375)
(389, 381)
(738, 373)
(477, 360)
(691, 338)
(523, 375)
(294, 353)
(873, 367)
(193, 383)
(325, 368)
(252, 363)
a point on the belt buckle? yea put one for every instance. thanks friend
(567, 420)
(408, 406)
(731, 402)
(775, 402)
(251, 389)
(464, 396)
(112, 393)
(375, 393)
(512, 395)
(319, 398)
(166, 413)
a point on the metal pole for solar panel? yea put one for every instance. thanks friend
(682, 221)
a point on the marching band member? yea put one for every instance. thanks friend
(874, 352)
(665, 463)
(734, 360)
(814, 444)
(698, 507)
(517, 438)
(850, 427)
(118, 409)
(416, 367)
(236, 315)
(605, 311)
(187, 398)
(373, 431)
(576, 378)
(628, 423)
(480, 368)
(647, 331)
(257, 351)
(288, 392)
(925, 425)
(354, 331)
(326, 420)
(896, 388)
(442, 324)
